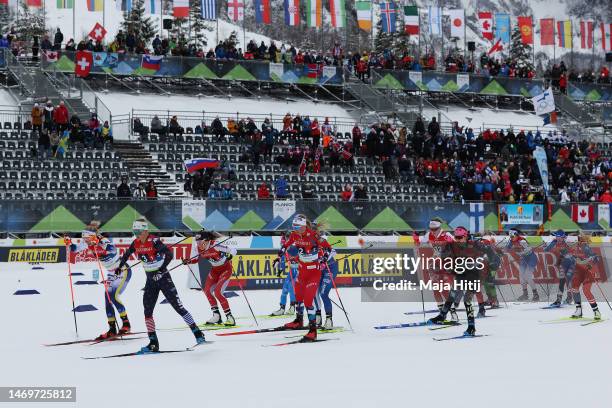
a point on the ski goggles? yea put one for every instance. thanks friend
(433, 224)
(139, 226)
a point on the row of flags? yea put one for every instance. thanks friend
(495, 27)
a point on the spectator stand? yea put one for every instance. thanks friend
(81, 174)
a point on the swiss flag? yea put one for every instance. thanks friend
(485, 20)
(83, 63)
(583, 214)
(98, 32)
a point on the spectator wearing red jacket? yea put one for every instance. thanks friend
(606, 197)
(347, 193)
(60, 117)
(263, 192)
(315, 132)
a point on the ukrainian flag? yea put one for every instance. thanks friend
(564, 31)
(95, 5)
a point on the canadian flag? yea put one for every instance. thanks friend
(497, 47)
(485, 18)
(583, 214)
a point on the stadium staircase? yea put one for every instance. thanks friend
(146, 167)
(574, 111)
(370, 98)
(37, 86)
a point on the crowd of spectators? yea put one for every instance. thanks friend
(55, 128)
(359, 62)
(458, 163)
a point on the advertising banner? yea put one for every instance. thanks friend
(521, 214)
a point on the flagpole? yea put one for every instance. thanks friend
(103, 13)
(554, 42)
(572, 43)
(419, 36)
(464, 37)
(73, 20)
(592, 44)
(161, 19)
(533, 41)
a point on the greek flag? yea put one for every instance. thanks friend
(209, 10)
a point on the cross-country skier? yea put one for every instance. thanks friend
(289, 258)
(220, 257)
(528, 261)
(438, 239)
(585, 258)
(313, 252)
(566, 264)
(465, 248)
(329, 272)
(491, 267)
(156, 257)
(116, 278)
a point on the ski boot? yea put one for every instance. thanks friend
(440, 307)
(439, 319)
(471, 331)
(454, 317)
(536, 296)
(153, 346)
(279, 312)
(329, 323)
(318, 319)
(229, 319)
(481, 311)
(215, 319)
(596, 314)
(297, 324)
(524, 297)
(112, 332)
(126, 327)
(311, 336)
(291, 309)
(494, 303)
(199, 336)
(578, 313)
(557, 302)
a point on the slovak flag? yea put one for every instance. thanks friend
(583, 214)
(262, 12)
(151, 62)
(292, 12)
(485, 18)
(200, 163)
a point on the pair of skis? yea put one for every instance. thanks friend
(118, 337)
(145, 353)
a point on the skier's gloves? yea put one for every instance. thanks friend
(67, 240)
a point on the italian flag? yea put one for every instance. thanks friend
(411, 20)
(364, 15)
(338, 13)
(314, 11)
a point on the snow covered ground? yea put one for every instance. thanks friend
(6, 99)
(521, 363)
(480, 118)
(121, 103)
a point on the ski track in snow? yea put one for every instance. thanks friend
(522, 360)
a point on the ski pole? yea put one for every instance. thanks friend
(338, 294)
(169, 246)
(354, 252)
(248, 304)
(196, 256)
(110, 302)
(197, 280)
(71, 290)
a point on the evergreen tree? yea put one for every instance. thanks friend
(5, 18)
(519, 52)
(29, 22)
(197, 26)
(138, 23)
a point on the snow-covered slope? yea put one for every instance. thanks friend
(521, 363)
(120, 103)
